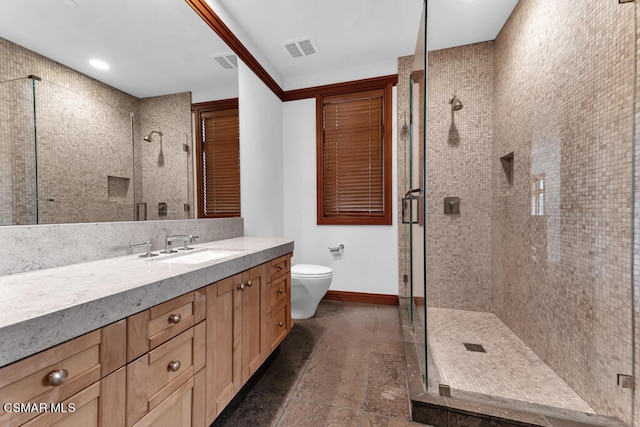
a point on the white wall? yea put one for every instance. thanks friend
(345, 73)
(369, 262)
(261, 164)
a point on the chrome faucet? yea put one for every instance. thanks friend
(185, 238)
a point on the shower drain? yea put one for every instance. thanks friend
(474, 347)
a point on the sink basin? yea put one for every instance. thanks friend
(200, 257)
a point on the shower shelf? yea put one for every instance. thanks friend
(507, 165)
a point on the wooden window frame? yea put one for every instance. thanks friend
(387, 147)
(197, 109)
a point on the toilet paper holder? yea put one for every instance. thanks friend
(335, 249)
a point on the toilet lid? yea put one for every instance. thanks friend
(310, 270)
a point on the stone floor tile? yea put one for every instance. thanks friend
(300, 413)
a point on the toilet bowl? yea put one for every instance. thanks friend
(309, 283)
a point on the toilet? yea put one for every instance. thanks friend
(309, 283)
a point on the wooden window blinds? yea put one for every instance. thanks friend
(354, 152)
(219, 163)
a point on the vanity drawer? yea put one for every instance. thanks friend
(183, 407)
(153, 377)
(102, 404)
(61, 371)
(150, 328)
(280, 290)
(279, 324)
(280, 266)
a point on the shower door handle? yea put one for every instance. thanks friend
(413, 191)
(413, 194)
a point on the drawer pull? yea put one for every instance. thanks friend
(175, 318)
(280, 324)
(279, 268)
(249, 283)
(58, 377)
(174, 366)
(241, 287)
(281, 291)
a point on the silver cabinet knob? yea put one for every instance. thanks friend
(280, 324)
(58, 377)
(281, 291)
(279, 268)
(175, 318)
(241, 287)
(174, 366)
(249, 283)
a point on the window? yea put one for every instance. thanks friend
(354, 157)
(537, 195)
(218, 158)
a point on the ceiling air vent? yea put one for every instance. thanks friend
(302, 46)
(226, 60)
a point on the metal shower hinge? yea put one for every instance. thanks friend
(444, 390)
(626, 381)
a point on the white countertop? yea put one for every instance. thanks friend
(47, 307)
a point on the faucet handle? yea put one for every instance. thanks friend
(189, 239)
(146, 244)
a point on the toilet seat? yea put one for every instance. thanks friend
(311, 271)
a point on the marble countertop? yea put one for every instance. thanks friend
(44, 308)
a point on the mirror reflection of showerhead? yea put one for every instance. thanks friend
(148, 138)
(456, 105)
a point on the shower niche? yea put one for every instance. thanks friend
(507, 166)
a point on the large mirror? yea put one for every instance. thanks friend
(84, 144)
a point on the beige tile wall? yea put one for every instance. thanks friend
(563, 105)
(17, 162)
(459, 165)
(84, 137)
(167, 174)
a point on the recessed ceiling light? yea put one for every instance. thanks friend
(100, 65)
(70, 3)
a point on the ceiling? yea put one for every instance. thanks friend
(157, 48)
(153, 49)
(353, 33)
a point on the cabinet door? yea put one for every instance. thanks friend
(254, 311)
(100, 405)
(224, 299)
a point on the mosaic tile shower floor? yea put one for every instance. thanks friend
(508, 368)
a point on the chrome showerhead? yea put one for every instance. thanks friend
(148, 136)
(456, 105)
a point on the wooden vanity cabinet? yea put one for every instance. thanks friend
(57, 374)
(278, 319)
(236, 336)
(175, 364)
